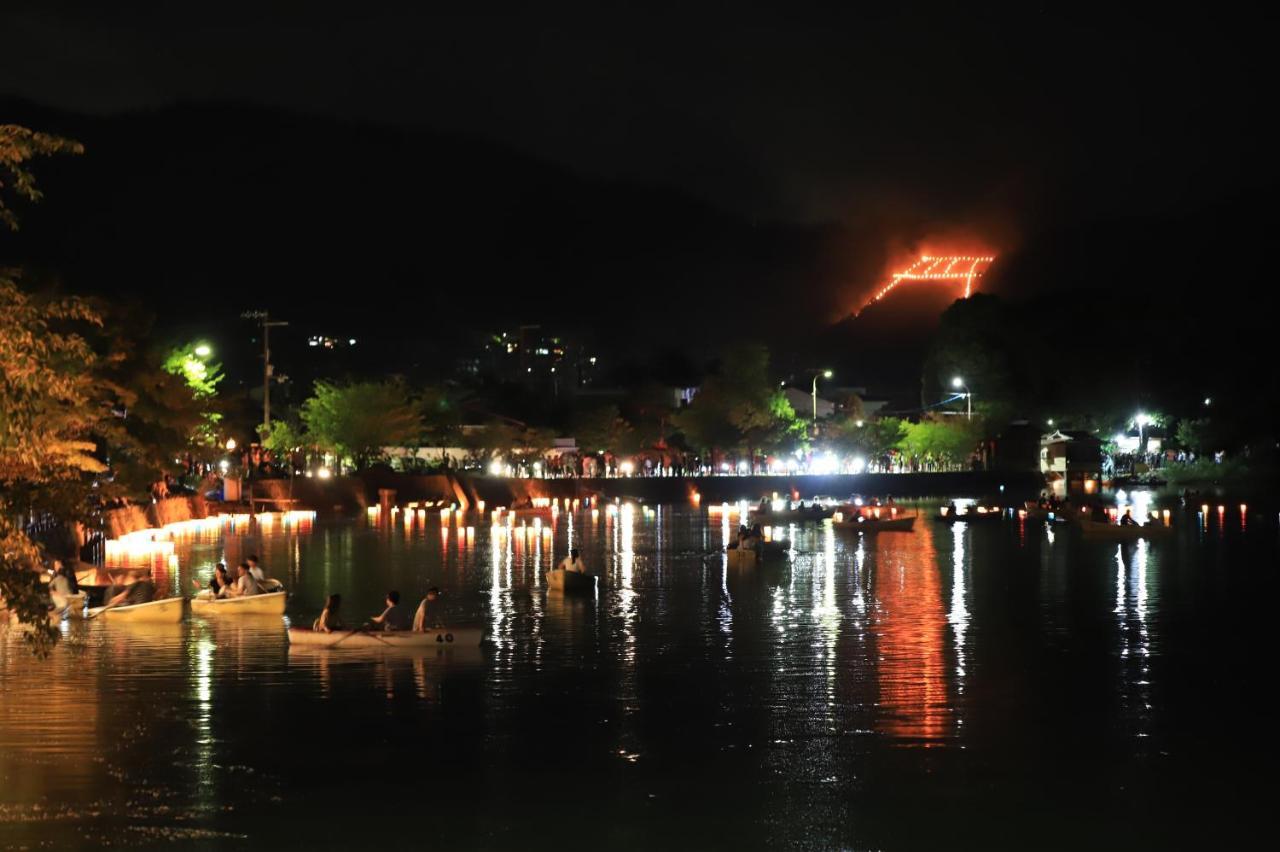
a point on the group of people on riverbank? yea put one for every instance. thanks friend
(393, 617)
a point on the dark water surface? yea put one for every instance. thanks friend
(981, 687)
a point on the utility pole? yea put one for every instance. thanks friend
(264, 318)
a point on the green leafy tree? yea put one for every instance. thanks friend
(874, 439)
(940, 442)
(740, 408)
(359, 420)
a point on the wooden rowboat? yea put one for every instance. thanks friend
(271, 603)
(460, 635)
(1116, 532)
(749, 557)
(906, 523)
(570, 581)
(163, 611)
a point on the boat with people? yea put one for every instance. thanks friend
(1122, 532)
(750, 556)
(270, 603)
(561, 580)
(970, 515)
(72, 606)
(774, 515)
(162, 611)
(870, 523)
(459, 635)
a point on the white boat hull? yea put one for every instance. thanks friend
(271, 603)
(461, 635)
(164, 611)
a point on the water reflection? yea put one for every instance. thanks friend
(1131, 611)
(910, 627)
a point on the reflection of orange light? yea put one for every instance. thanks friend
(911, 637)
(954, 268)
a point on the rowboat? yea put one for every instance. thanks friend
(271, 603)
(748, 557)
(906, 523)
(561, 580)
(163, 611)
(789, 516)
(1129, 532)
(72, 605)
(460, 635)
(972, 516)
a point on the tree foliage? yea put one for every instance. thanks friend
(943, 442)
(360, 419)
(18, 146)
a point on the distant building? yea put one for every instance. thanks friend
(1071, 462)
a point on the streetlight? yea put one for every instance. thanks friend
(1142, 420)
(203, 351)
(957, 383)
(826, 374)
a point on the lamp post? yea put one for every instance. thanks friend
(263, 317)
(957, 383)
(826, 374)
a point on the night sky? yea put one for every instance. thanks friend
(706, 154)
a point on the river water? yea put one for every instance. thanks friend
(983, 686)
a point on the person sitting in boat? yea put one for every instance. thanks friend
(1128, 520)
(394, 616)
(64, 581)
(218, 583)
(143, 591)
(329, 619)
(428, 615)
(245, 583)
(573, 562)
(259, 573)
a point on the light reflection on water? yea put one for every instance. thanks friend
(778, 698)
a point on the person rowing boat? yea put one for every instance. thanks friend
(429, 612)
(394, 616)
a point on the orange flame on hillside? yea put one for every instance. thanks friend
(966, 269)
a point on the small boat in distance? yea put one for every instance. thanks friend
(901, 523)
(561, 580)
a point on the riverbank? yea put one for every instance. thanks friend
(347, 495)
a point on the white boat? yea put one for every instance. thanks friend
(461, 635)
(271, 603)
(1123, 532)
(163, 611)
(570, 581)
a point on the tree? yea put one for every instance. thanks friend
(49, 406)
(599, 429)
(359, 420)
(740, 407)
(941, 442)
(18, 146)
(874, 440)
